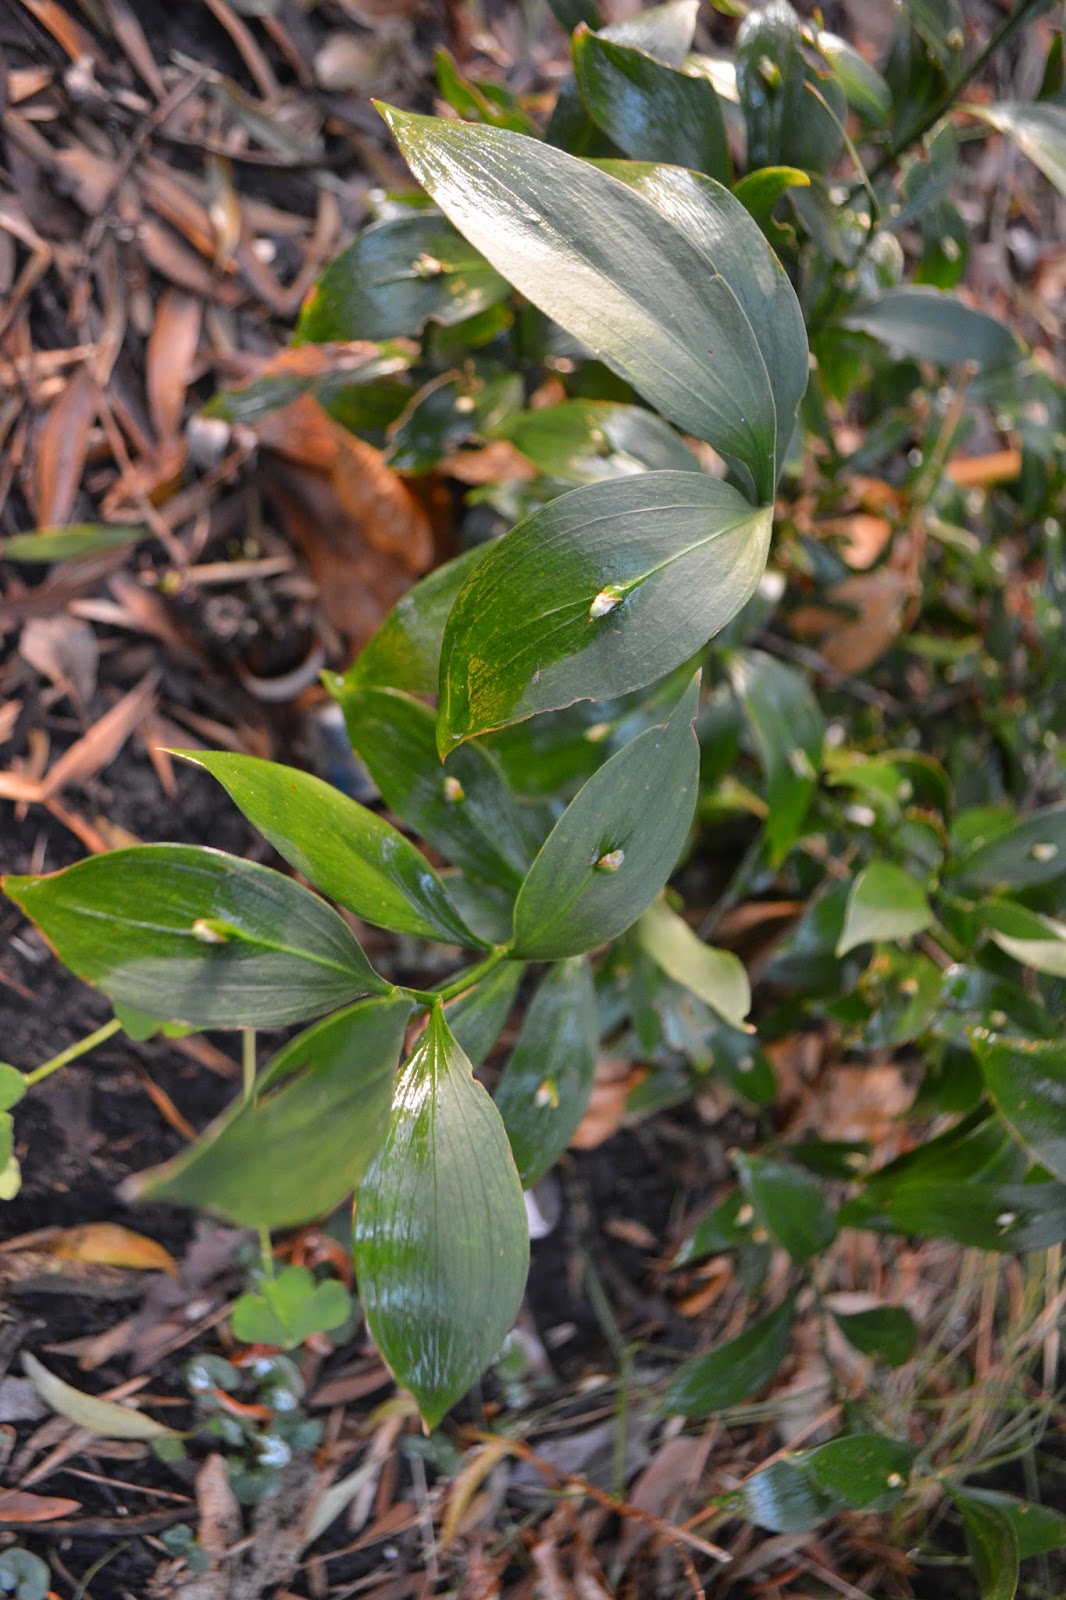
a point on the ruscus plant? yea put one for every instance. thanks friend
(706, 289)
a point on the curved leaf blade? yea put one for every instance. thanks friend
(351, 854)
(197, 936)
(929, 325)
(734, 1371)
(1038, 130)
(1027, 1081)
(463, 807)
(603, 264)
(651, 111)
(293, 1152)
(884, 903)
(614, 846)
(602, 591)
(544, 1088)
(441, 1237)
(716, 976)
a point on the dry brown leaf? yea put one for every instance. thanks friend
(130, 35)
(498, 462)
(62, 445)
(976, 472)
(95, 749)
(89, 178)
(615, 1077)
(169, 360)
(110, 1245)
(466, 1483)
(671, 1475)
(863, 537)
(16, 1506)
(876, 606)
(68, 34)
(63, 650)
(164, 251)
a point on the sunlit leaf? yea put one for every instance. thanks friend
(884, 903)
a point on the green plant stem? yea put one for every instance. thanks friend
(459, 985)
(73, 1051)
(1008, 26)
(248, 1062)
(266, 1253)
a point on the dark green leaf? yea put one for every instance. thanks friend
(1005, 1217)
(614, 846)
(76, 539)
(716, 976)
(781, 1498)
(789, 1204)
(1027, 1080)
(788, 729)
(611, 270)
(477, 1017)
(350, 853)
(1039, 1530)
(993, 1545)
(396, 277)
(940, 23)
(652, 112)
(294, 1151)
(860, 1468)
(864, 88)
(404, 653)
(776, 71)
(1036, 941)
(571, 13)
(289, 1308)
(929, 326)
(718, 226)
(1031, 852)
(585, 441)
(734, 1371)
(885, 903)
(441, 1237)
(600, 592)
(198, 936)
(887, 1333)
(715, 1233)
(544, 1088)
(462, 807)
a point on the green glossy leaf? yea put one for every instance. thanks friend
(289, 1308)
(759, 191)
(1039, 1530)
(569, 14)
(864, 88)
(1027, 1080)
(720, 229)
(394, 278)
(585, 441)
(544, 1088)
(610, 269)
(106, 1418)
(1031, 852)
(614, 846)
(404, 653)
(715, 1233)
(884, 903)
(1036, 941)
(462, 807)
(76, 539)
(781, 1498)
(860, 1469)
(993, 1545)
(12, 1086)
(1005, 1217)
(303, 1142)
(927, 325)
(788, 729)
(887, 1333)
(476, 1018)
(789, 1204)
(198, 936)
(716, 976)
(600, 592)
(441, 1237)
(350, 853)
(140, 1026)
(777, 68)
(651, 111)
(665, 32)
(734, 1371)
